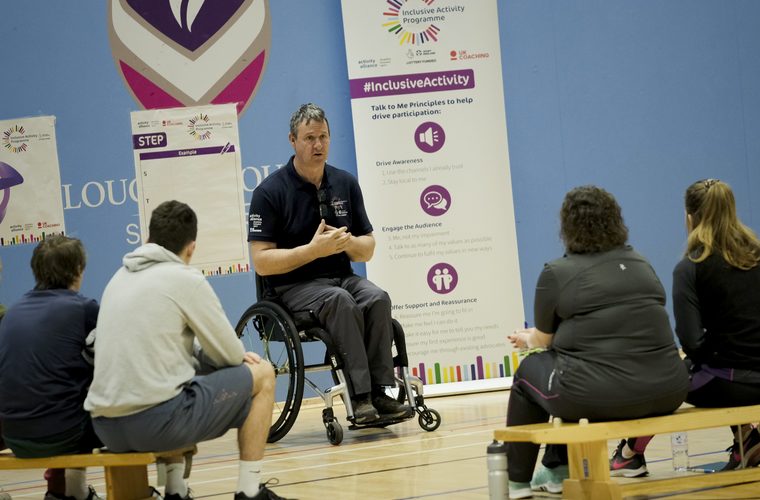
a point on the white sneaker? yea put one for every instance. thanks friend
(549, 479)
(519, 490)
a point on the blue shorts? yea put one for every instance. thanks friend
(207, 407)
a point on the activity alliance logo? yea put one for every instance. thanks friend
(175, 53)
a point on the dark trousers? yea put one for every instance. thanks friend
(719, 393)
(357, 315)
(535, 395)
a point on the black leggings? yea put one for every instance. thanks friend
(532, 401)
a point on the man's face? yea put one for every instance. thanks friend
(312, 142)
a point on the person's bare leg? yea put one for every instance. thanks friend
(252, 436)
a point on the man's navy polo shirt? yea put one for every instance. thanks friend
(285, 209)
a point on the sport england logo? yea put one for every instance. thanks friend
(413, 21)
(176, 53)
(9, 177)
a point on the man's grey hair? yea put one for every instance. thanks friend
(306, 113)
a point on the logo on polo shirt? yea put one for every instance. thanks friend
(176, 53)
(340, 207)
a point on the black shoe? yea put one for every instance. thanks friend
(175, 496)
(390, 408)
(364, 412)
(636, 466)
(264, 493)
(93, 495)
(751, 452)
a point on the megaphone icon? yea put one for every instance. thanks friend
(429, 136)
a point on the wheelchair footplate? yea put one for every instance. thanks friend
(383, 421)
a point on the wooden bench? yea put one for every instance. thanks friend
(126, 473)
(589, 459)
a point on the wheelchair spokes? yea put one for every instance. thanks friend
(266, 329)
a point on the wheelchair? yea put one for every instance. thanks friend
(270, 329)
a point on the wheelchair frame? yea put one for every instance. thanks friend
(280, 334)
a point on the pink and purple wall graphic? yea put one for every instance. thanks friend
(176, 53)
(9, 177)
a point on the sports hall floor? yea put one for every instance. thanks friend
(399, 462)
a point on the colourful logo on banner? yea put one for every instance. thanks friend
(176, 53)
(9, 177)
(14, 139)
(412, 21)
(199, 127)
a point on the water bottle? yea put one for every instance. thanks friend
(498, 481)
(679, 444)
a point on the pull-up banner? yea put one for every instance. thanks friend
(193, 155)
(30, 181)
(431, 151)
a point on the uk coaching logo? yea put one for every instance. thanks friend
(176, 53)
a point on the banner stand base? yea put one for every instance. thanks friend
(470, 386)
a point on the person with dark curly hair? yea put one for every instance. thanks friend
(716, 292)
(610, 352)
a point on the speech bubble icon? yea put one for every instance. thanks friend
(433, 198)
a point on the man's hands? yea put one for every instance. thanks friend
(330, 240)
(251, 358)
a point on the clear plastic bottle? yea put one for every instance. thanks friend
(679, 444)
(498, 481)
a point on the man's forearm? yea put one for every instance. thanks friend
(361, 248)
(281, 260)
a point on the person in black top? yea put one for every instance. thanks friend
(610, 352)
(46, 369)
(307, 223)
(716, 304)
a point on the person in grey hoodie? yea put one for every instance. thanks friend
(159, 321)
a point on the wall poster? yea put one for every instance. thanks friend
(30, 181)
(193, 155)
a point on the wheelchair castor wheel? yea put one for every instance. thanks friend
(429, 419)
(334, 432)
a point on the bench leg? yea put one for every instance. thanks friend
(127, 482)
(589, 473)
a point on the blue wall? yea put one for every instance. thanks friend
(641, 98)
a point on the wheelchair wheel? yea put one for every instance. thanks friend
(429, 419)
(334, 432)
(265, 328)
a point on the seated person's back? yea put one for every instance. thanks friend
(45, 367)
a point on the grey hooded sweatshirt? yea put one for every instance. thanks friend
(152, 311)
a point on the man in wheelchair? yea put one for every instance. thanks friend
(307, 223)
